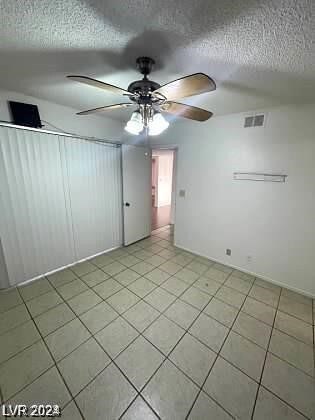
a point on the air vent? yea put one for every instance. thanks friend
(254, 121)
(249, 122)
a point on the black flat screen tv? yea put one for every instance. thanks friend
(25, 114)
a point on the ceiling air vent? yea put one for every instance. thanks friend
(254, 121)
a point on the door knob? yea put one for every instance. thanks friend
(127, 204)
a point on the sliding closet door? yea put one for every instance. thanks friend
(35, 227)
(94, 178)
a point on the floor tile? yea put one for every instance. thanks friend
(182, 314)
(157, 276)
(297, 297)
(290, 384)
(139, 361)
(98, 317)
(118, 253)
(123, 300)
(47, 389)
(94, 278)
(232, 389)
(160, 299)
(193, 358)
(102, 260)
(54, 318)
(116, 336)
(142, 287)
(206, 408)
(267, 285)
(66, 339)
(9, 299)
(83, 268)
(221, 311)
(170, 392)
(268, 406)
(84, 301)
(17, 339)
(62, 277)
(244, 354)
(13, 318)
(238, 284)
(209, 332)
(175, 286)
(35, 288)
(166, 253)
(164, 334)
(129, 260)
(242, 275)
(170, 267)
(107, 288)
(187, 275)
(222, 267)
(142, 254)
(42, 303)
(216, 275)
(73, 288)
(197, 266)
(71, 412)
(297, 309)
(254, 330)
(141, 315)
(207, 285)
(196, 298)
(139, 410)
(114, 268)
(230, 296)
(107, 397)
(127, 276)
(292, 351)
(23, 368)
(155, 260)
(182, 260)
(143, 268)
(293, 326)
(259, 310)
(82, 365)
(205, 261)
(264, 295)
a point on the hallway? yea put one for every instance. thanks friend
(161, 216)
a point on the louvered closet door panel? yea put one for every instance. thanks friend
(94, 176)
(35, 225)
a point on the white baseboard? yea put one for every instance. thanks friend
(277, 283)
(64, 267)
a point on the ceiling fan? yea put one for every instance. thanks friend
(150, 98)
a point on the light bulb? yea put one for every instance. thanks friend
(135, 124)
(157, 125)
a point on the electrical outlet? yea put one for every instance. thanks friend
(249, 258)
(228, 252)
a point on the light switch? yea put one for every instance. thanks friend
(182, 193)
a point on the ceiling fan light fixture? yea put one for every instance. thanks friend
(157, 125)
(135, 124)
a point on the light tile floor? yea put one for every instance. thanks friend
(151, 331)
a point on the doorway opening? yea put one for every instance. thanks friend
(163, 187)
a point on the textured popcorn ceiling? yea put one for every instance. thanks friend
(260, 52)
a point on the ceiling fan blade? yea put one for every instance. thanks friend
(186, 111)
(194, 84)
(105, 108)
(101, 85)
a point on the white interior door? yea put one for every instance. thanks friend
(136, 165)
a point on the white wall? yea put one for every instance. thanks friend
(273, 223)
(64, 118)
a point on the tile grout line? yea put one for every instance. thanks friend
(266, 355)
(54, 362)
(217, 356)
